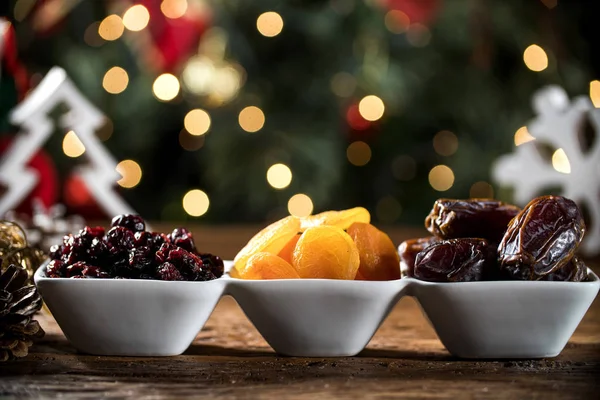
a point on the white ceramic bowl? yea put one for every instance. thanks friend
(505, 319)
(316, 317)
(129, 317)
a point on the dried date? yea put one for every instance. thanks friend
(472, 218)
(541, 239)
(574, 271)
(454, 260)
(408, 251)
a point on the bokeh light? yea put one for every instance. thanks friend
(343, 84)
(560, 162)
(196, 203)
(279, 176)
(535, 58)
(111, 27)
(23, 8)
(166, 87)
(72, 146)
(131, 173)
(445, 143)
(396, 21)
(595, 93)
(522, 135)
(269, 24)
(136, 18)
(481, 190)
(371, 108)
(190, 142)
(358, 153)
(300, 205)
(441, 178)
(388, 209)
(174, 8)
(115, 80)
(355, 120)
(251, 119)
(197, 122)
(404, 168)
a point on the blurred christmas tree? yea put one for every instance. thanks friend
(383, 103)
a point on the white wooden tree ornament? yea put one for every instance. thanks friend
(559, 124)
(83, 118)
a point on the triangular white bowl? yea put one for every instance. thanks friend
(316, 317)
(129, 317)
(505, 319)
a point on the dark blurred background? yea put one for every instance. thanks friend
(388, 104)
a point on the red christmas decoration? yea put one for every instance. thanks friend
(418, 11)
(47, 190)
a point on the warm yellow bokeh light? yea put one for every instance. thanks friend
(197, 122)
(300, 205)
(441, 178)
(251, 119)
(279, 176)
(91, 36)
(136, 18)
(371, 108)
(166, 87)
(522, 135)
(595, 93)
(196, 203)
(269, 24)
(174, 8)
(445, 143)
(131, 173)
(560, 162)
(535, 58)
(481, 190)
(115, 80)
(396, 21)
(72, 146)
(358, 153)
(111, 27)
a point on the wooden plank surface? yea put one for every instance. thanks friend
(229, 359)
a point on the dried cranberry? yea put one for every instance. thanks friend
(158, 239)
(143, 239)
(212, 263)
(163, 253)
(56, 252)
(183, 238)
(119, 240)
(88, 233)
(168, 272)
(98, 251)
(142, 258)
(75, 269)
(204, 275)
(56, 269)
(91, 271)
(132, 222)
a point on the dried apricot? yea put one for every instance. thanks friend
(326, 252)
(342, 219)
(288, 250)
(379, 259)
(271, 239)
(267, 266)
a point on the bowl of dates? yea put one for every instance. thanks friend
(497, 281)
(127, 291)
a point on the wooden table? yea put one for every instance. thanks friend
(230, 359)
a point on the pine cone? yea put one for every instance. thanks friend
(17, 304)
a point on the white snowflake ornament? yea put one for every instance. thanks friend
(565, 154)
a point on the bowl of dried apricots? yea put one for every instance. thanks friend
(337, 278)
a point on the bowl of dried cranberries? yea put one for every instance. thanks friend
(128, 291)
